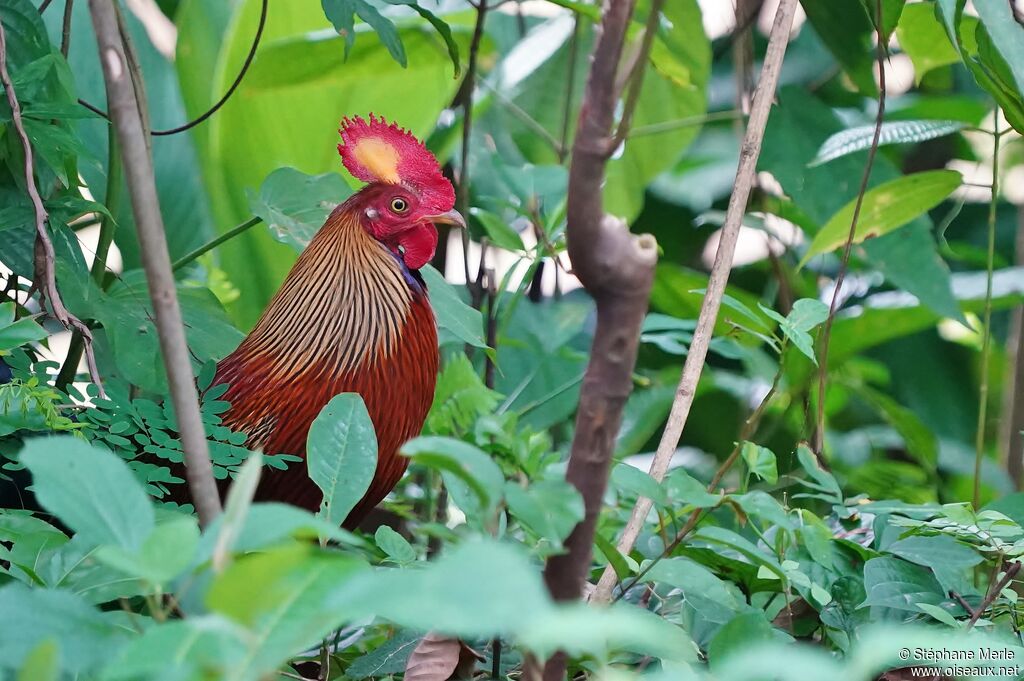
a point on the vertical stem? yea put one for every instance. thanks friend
(826, 334)
(462, 198)
(111, 199)
(65, 33)
(986, 343)
(1012, 422)
(126, 116)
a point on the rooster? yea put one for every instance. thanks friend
(352, 316)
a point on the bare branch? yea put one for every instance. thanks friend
(44, 277)
(751, 148)
(125, 113)
(617, 269)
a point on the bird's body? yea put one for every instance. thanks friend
(352, 316)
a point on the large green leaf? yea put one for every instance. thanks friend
(203, 645)
(847, 31)
(295, 205)
(924, 39)
(885, 208)
(549, 508)
(341, 453)
(85, 637)
(893, 132)
(1007, 37)
(453, 316)
(91, 490)
(286, 111)
(894, 583)
(474, 481)
(300, 597)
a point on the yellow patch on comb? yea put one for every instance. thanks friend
(379, 158)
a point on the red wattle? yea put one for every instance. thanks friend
(418, 244)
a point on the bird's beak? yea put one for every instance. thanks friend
(452, 217)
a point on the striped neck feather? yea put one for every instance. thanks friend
(345, 300)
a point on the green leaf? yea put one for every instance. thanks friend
(638, 482)
(91, 490)
(473, 479)
(894, 583)
(453, 315)
(741, 632)
(340, 13)
(341, 453)
(760, 461)
(302, 596)
(683, 488)
(1007, 37)
(202, 646)
(240, 496)
(696, 580)
(42, 664)
(923, 38)
(295, 205)
(823, 480)
(498, 231)
(910, 260)
(272, 523)
(395, 545)
(460, 397)
(477, 588)
(443, 30)
(167, 552)
(940, 551)
(762, 505)
(85, 637)
(892, 11)
(885, 208)
(892, 132)
(921, 442)
(386, 659)
(847, 31)
(548, 508)
(14, 334)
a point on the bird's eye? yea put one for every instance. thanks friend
(399, 205)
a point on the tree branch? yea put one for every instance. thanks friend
(44, 276)
(749, 152)
(123, 100)
(636, 80)
(617, 269)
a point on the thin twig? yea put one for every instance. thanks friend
(986, 343)
(636, 81)
(220, 102)
(751, 148)
(669, 126)
(826, 334)
(65, 33)
(468, 87)
(98, 271)
(138, 166)
(209, 246)
(747, 432)
(994, 592)
(44, 5)
(44, 277)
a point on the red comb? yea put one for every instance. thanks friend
(379, 151)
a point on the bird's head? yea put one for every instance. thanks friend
(406, 195)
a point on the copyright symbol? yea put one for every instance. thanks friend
(904, 653)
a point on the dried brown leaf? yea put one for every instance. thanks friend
(433, 659)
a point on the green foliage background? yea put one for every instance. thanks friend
(790, 571)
